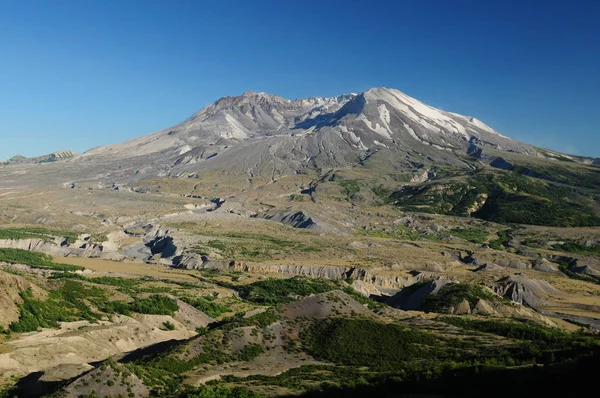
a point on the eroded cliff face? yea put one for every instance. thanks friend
(378, 283)
(62, 249)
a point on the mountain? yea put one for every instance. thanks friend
(258, 133)
(52, 157)
(398, 149)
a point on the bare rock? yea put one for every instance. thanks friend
(462, 308)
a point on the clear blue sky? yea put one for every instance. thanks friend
(78, 74)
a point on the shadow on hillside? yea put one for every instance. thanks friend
(565, 380)
(150, 350)
(32, 386)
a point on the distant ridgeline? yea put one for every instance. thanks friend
(52, 157)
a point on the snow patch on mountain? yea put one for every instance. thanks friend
(375, 127)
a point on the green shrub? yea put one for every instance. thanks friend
(382, 193)
(154, 305)
(350, 187)
(207, 306)
(169, 325)
(502, 241)
(112, 307)
(249, 352)
(261, 320)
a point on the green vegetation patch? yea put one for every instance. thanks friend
(71, 301)
(65, 304)
(250, 352)
(130, 286)
(36, 233)
(509, 198)
(526, 330)
(382, 193)
(577, 248)
(575, 174)
(454, 198)
(472, 235)
(34, 260)
(215, 389)
(35, 313)
(524, 200)
(281, 291)
(253, 246)
(274, 292)
(502, 241)
(363, 342)
(399, 232)
(350, 187)
(154, 305)
(207, 305)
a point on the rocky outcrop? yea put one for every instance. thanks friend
(544, 265)
(587, 266)
(157, 245)
(421, 176)
(162, 245)
(533, 293)
(413, 297)
(500, 163)
(484, 308)
(463, 308)
(479, 202)
(507, 260)
(496, 261)
(383, 283)
(297, 219)
(489, 267)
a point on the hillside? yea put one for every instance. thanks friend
(364, 243)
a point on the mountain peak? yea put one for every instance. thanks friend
(251, 93)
